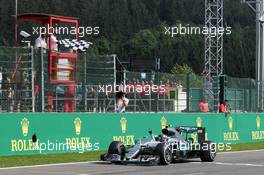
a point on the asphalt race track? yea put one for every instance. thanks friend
(238, 163)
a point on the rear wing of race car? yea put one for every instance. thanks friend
(189, 129)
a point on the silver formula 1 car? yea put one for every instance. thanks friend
(172, 145)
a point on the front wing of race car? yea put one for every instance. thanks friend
(144, 159)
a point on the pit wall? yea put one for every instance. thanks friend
(81, 132)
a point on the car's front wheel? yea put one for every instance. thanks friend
(117, 148)
(165, 153)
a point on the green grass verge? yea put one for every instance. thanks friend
(247, 146)
(23, 160)
(11, 161)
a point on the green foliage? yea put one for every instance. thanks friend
(137, 27)
(143, 44)
(181, 69)
(103, 46)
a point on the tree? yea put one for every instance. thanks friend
(181, 69)
(137, 27)
(186, 72)
(143, 44)
(103, 46)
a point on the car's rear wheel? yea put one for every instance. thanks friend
(117, 148)
(208, 151)
(164, 151)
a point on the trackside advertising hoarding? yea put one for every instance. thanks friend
(44, 133)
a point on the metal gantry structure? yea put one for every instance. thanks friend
(213, 66)
(257, 6)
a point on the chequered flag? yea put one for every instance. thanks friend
(75, 44)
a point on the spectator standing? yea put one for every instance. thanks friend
(151, 84)
(167, 87)
(54, 42)
(161, 88)
(203, 106)
(142, 87)
(121, 102)
(6, 84)
(69, 101)
(10, 100)
(40, 42)
(223, 107)
(50, 103)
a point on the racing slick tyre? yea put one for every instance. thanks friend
(164, 151)
(209, 154)
(117, 148)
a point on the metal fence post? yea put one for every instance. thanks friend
(157, 107)
(135, 102)
(32, 79)
(188, 92)
(85, 98)
(150, 100)
(42, 82)
(85, 82)
(124, 77)
(85, 66)
(114, 56)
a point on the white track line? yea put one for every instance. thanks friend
(238, 164)
(230, 164)
(48, 165)
(246, 151)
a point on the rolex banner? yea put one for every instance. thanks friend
(44, 133)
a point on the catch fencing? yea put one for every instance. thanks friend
(26, 87)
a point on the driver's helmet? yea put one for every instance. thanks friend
(178, 129)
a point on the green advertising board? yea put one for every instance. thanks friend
(79, 132)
